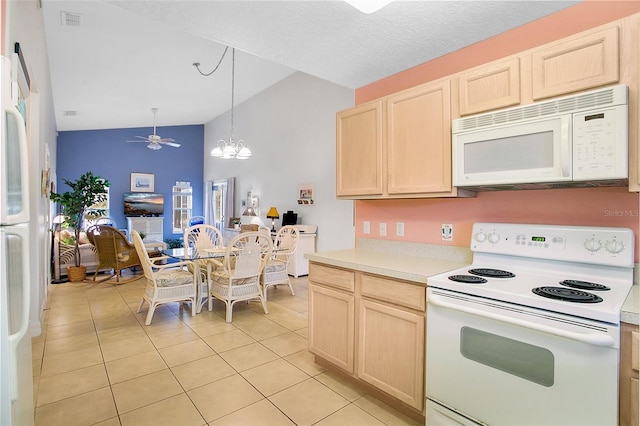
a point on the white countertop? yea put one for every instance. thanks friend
(419, 268)
(409, 268)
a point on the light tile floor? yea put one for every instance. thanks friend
(96, 363)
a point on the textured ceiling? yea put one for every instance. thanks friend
(128, 56)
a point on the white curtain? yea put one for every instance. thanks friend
(209, 206)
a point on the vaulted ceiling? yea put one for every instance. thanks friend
(113, 60)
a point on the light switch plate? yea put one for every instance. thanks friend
(383, 229)
(447, 232)
(366, 227)
(399, 229)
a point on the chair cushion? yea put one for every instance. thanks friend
(173, 277)
(274, 266)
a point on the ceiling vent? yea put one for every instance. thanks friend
(69, 19)
(69, 113)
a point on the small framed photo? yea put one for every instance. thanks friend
(142, 182)
(305, 194)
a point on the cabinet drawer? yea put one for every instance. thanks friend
(412, 296)
(634, 350)
(333, 277)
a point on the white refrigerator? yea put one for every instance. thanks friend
(16, 376)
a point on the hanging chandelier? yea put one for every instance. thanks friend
(232, 149)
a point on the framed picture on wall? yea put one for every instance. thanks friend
(305, 194)
(142, 182)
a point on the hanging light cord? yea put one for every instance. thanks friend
(197, 64)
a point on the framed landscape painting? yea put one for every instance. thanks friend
(142, 182)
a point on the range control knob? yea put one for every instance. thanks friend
(592, 245)
(494, 237)
(480, 237)
(614, 246)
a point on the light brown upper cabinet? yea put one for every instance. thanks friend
(359, 150)
(489, 87)
(419, 140)
(574, 64)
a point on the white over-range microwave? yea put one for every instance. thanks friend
(573, 141)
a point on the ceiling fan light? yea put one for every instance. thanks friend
(154, 146)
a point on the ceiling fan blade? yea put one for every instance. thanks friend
(164, 142)
(142, 140)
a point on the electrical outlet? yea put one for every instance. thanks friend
(383, 229)
(366, 227)
(399, 229)
(447, 232)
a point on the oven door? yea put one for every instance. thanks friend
(502, 364)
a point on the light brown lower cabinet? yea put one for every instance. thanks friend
(628, 376)
(373, 331)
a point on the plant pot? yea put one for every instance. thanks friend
(77, 273)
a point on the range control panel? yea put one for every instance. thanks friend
(607, 246)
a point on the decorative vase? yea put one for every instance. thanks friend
(77, 273)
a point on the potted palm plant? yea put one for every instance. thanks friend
(87, 190)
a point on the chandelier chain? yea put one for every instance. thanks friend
(197, 64)
(233, 83)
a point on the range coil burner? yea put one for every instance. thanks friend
(467, 279)
(492, 273)
(584, 285)
(567, 294)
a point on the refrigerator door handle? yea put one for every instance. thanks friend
(16, 338)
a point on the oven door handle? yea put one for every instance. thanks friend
(592, 339)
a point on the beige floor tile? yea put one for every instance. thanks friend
(350, 415)
(172, 337)
(249, 356)
(71, 343)
(185, 352)
(289, 320)
(286, 344)
(229, 340)
(224, 396)
(86, 409)
(262, 413)
(303, 332)
(37, 349)
(305, 361)
(113, 334)
(76, 382)
(107, 322)
(211, 328)
(69, 361)
(126, 348)
(261, 328)
(308, 402)
(201, 372)
(274, 376)
(177, 410)
(295, 303)
(145, 390)
(128, 368)
(67, 330)
(385, 413)
(69, 316)
(115, 421)
(344, 387)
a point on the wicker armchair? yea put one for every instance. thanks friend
(202, 237)
(237, 277)
(114, 251)
(166, 283)
(275, 271)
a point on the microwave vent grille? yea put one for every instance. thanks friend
(604, 97)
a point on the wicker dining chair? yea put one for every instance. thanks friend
(275, 271)
(114, 251)
(203, 237)
(237, 276)
(166, 283)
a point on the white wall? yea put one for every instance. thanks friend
(25, 26)
(291, 130)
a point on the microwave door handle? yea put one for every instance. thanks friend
(592, 339)
(565, 145)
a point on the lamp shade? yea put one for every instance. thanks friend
(249, 211)
(273, 213)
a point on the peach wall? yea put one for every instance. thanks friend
(589, 206)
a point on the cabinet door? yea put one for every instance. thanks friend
(419, 140)
(492, 86)
(391, 351)
(359, 150)
(331, 326)
(582, 63)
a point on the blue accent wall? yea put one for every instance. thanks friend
(107, 154)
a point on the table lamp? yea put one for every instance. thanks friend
(273, 215)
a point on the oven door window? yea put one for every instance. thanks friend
(526, 361)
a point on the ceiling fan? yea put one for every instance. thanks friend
(155, 141)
